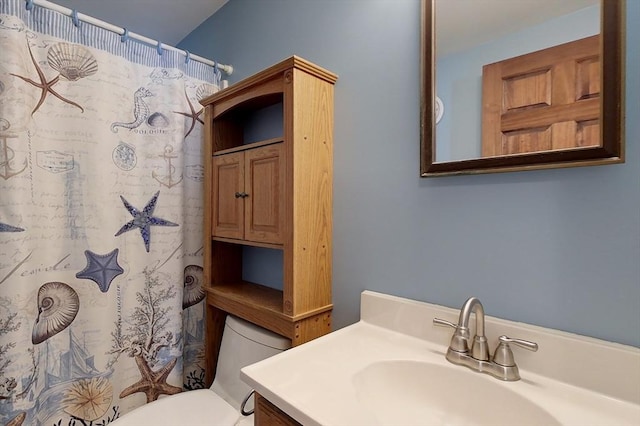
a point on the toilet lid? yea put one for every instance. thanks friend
(193, 408)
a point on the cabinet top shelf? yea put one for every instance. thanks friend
(247, 146)
(292, 62)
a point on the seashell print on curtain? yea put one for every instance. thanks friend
(101, 299)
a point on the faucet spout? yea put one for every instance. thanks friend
(479, 346)
(472, 305)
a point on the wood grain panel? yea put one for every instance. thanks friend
(227, 263)
(535, 139)
(225, 133)
(207, 196)
(588, 78)
(267, 414)
(310, 328)
(551, 89)
(588, 133)
(516, 120)
(264, 184)
(215, 319)
(254, 97)
(228, 209)
(527, 90)
(312, 193)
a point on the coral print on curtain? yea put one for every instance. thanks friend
(101, 304)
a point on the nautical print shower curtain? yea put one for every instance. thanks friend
(100, 220)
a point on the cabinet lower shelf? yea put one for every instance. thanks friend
(263, 306)
(247, 243)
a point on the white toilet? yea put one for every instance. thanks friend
(243, 344)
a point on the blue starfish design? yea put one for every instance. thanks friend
(101, 268)
(8, 228)
(144, 219)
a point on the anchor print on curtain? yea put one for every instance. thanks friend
(101, 299)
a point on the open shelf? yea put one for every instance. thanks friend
(254, 302)
(248, 146)
(253, 296)
(248, 243)
(260, 305)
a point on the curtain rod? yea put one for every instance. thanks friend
(123, 31)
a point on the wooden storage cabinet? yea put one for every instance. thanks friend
(275, 193)
(248, 200)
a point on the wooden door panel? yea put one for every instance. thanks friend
(537, 139)
(587, 132)
(228, 180)
(264, 184)
(556, 136)
(588, 78)
(588, 109)
(527, 90)
(542, 101)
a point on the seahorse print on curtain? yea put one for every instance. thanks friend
(140, 111)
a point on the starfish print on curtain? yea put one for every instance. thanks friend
(192, 114)
(144, 220)
(101, 268)
(8, 228)
(72, 61)
(152, 383)
(17, 420)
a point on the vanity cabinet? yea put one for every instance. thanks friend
(271, 191)
(267, 414)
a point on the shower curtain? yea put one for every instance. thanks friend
(100, 220)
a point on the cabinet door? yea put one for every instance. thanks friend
(268, 414)
(228, 186)
(264, 184)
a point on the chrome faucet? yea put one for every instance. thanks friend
(475, 353)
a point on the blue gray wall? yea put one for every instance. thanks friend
(557, 248)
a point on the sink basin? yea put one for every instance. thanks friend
(389, 369)
(421, 393)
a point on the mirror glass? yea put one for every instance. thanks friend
(512, 85)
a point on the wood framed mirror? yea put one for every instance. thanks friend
(523, 111)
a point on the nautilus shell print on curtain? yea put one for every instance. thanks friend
(58, 305)
(72, 61)
(193, 292)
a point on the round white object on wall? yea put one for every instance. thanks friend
(439, 109)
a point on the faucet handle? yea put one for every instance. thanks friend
(460, 338)
(438, 321)
(532, 346)
(504, 356)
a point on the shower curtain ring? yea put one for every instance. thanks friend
(29, 4)
(188, 58)
(74, 17)
(159, 48)
(125, 35)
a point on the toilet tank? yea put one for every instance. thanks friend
(243, 343)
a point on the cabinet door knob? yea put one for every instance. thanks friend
(241, 195)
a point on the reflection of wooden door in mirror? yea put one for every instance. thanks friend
(542, 101)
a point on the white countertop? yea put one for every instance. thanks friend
(314, 383)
